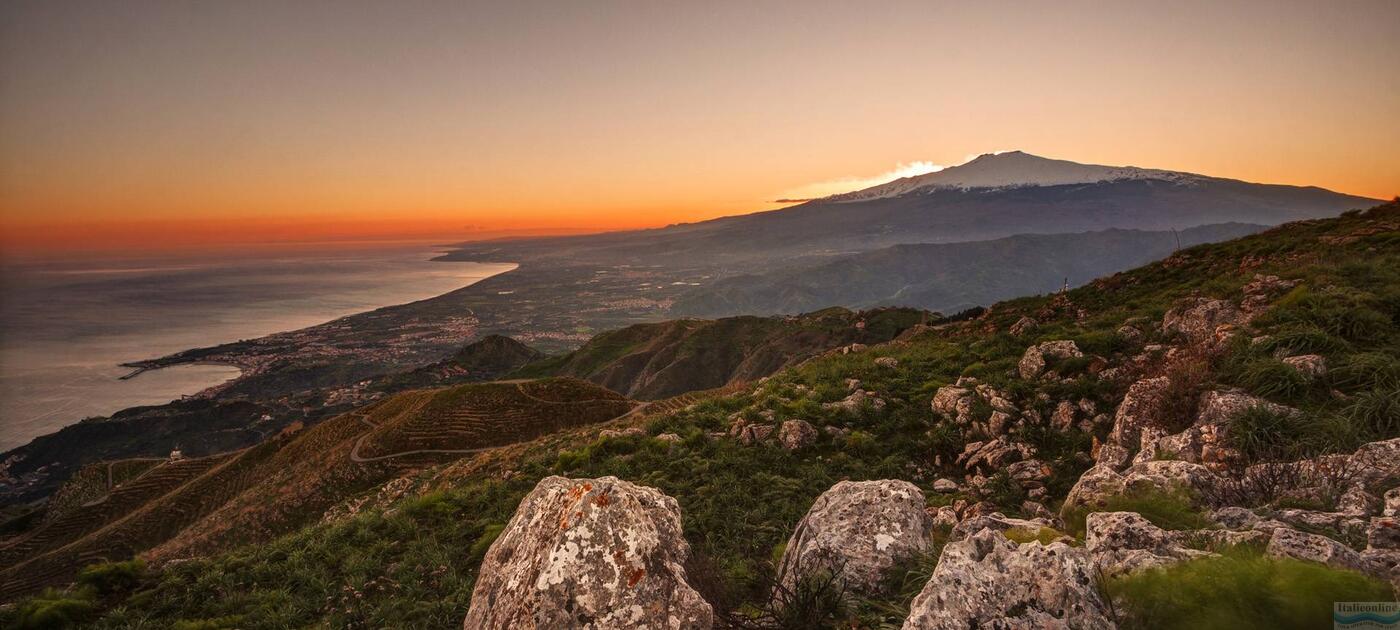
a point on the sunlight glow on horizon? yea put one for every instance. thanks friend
(131, 125)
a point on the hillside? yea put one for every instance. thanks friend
(207, 504)
(1235, 321)
(948, 277)
(652, 361)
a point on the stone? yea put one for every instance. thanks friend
(945, 400)
(945, 486)
(755, 433)
(670, 438)
(993, 454)
(1199, 319)
(1168, 475)
(589, 553)
(1094, 487)
(619, 433)
(1289, 543)
(1309, 365)
(1392, 503)
(1234, 517)
(1033, 362)
(1023, 326)
(987, 581)
(856, 400)
(796, 434)
(995, 521)
(887, 362)
(1384, 533)
(1029, 473)
(1219, 407)
(1063, 418)
(862, 529)
(1142, 407)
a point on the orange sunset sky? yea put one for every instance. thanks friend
(153, 124)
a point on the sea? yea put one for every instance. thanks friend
(66, 325)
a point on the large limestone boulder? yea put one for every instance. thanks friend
(1289, 543)
(987, 581)
(1142, 407)
(589, 553)
(859, 528)
(1200, 320)
(1033, 362)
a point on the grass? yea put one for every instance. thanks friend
(1173, 510)
(1239, 589)
(413, 565)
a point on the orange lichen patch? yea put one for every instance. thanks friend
(602, 500)
(635, 576)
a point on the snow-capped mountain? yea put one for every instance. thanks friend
(1008, 170)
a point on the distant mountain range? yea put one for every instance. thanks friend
(947, 277)
(993, 196)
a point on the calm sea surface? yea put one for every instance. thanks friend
(65, 326)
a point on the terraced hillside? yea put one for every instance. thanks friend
(654, 361)
(199, 506)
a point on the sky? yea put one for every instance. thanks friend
(146, 124)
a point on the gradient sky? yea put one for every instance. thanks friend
(145, 123)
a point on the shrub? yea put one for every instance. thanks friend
(112, 577)
(51, 609)
(1240, 589)
(1263, 434)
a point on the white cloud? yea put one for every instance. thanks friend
(848, 184)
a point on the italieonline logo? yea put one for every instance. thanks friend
(1368, 615)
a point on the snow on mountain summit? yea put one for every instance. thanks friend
(1009, 170)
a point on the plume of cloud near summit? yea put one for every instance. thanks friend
(821, 189)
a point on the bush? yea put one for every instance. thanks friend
(113, 577)
(50, 610)
(1240, 589)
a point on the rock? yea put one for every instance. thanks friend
(796, 434)
(1023, 326)
(1168, 475)
(1356, 501)
(995, 521)
(1142, 407)
(887, 362)
(1063, 418)
(987, 581)
(670, 438)
(1234, 517)
(1094, 487)
(1289, 543)
(861, 528)
(1222, 405)
(1384, 533)
(857, 399)
(1392, 502)
(1030, 473)
(1033, 361)
(945, 517)
(1125, 542)
(1309, 365)
(1130, 333)
(755, 433)
(1113, 455)
(998, 423)
(993, 454)
(618, 433)
(945, 486)
(596, 553)
(1199, 319)
(945, 400)
(852, 384)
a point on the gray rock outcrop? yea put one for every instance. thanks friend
(987, 581)
(860, 529)
(589, 553)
